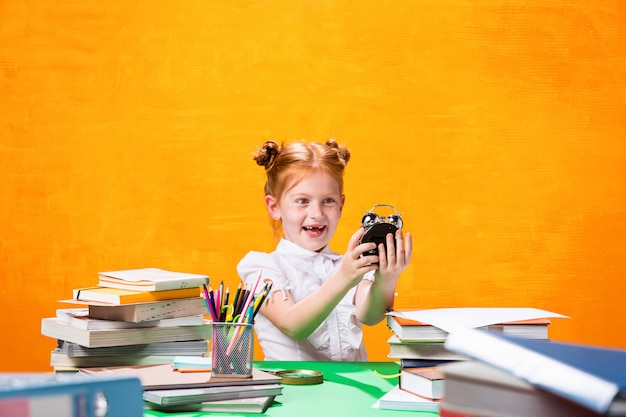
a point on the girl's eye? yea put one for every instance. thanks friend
(329, 201)
(302, 201)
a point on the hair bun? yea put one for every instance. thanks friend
(342, 151)
(266, 156)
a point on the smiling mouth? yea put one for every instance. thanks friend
(314, 229)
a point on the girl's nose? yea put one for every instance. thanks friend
(315, 210)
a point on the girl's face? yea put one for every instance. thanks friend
(309, 211)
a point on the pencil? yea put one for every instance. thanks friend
(262, 296)
(236, 299)
(190, 370)
(226, 295)
(242, 297)
(217, 299)
(209, 303)
(221, 295)
(212, 299)
(246, 305)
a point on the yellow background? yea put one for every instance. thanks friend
(496, 127)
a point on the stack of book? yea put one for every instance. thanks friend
(184, 388)
(133, 317)
(419, 345)
(520, 377)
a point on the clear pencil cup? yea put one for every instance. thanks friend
(232, 352)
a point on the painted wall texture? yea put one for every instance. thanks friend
(495, 127)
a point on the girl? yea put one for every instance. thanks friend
(319, 298)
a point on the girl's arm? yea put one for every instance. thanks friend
(374, 299)
(299, 320)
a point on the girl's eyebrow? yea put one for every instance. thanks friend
(301, 195)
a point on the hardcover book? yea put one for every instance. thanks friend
(426, 382)
(476, 389)
(594, 377)
(410, 330)
(422, 363)
(150, 311)
(150, 279)
(165, 377)
(79, 317)
(52, 395)
(58, 329)
(398, 399)
(239, 405)
(120, 296)
(171, 397)
(420, 350)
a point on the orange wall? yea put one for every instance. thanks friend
(496, 127)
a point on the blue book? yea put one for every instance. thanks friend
(42, 394)
(592, 376)
(422, 363)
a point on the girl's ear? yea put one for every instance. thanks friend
(272, 207)
(343, 201)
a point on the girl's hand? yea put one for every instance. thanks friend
(394, 258)
(354, 266)
(374, 299)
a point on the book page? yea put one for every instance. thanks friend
(151, 275)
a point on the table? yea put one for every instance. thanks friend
(349, 389)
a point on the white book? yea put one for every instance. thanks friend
(150, 279)
(150, 311)
(58, 329)
(79, 317)
(60, 359)
(186, 347)
(239, 405)
(420, 350)
(397, 399)
(171, 397)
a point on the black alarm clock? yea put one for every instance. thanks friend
(378, 227)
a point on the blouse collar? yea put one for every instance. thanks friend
(287, 247)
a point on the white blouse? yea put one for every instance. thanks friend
(301, 272)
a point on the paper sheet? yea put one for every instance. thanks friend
(450, 319)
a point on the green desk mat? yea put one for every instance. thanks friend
(349, 389)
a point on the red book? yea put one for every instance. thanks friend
(445, 411)
(426, 382)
